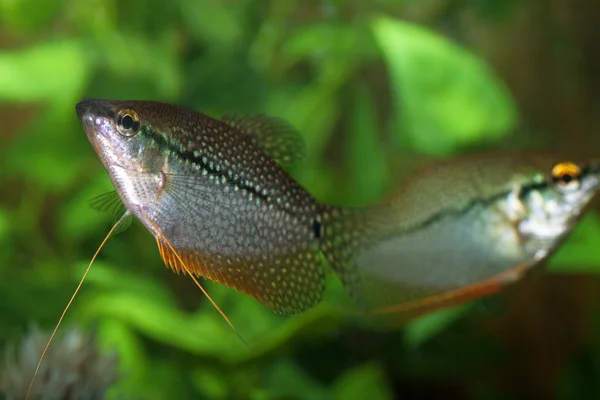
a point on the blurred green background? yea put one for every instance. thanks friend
(375, 88)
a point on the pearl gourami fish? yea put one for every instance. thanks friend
(216, 196)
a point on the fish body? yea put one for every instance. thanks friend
(466, 227)
(218, 193)
(229, 210)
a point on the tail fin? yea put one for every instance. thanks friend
(345, 232)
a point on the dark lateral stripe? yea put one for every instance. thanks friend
(189, 156)
(444, 213)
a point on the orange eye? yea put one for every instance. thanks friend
(566, 175)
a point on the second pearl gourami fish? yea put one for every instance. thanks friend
(217, 198)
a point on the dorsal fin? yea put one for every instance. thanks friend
(112, 204)
(279, 139)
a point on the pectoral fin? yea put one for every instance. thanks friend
(112, 204)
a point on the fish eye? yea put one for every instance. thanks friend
(128, 122)
(566, 175)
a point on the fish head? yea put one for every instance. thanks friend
(121, 132)
(553, 203)
(118, 130)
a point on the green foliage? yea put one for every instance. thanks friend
(361, 383)
(321, 66)
(448, 97)
(428, 326)
(38, 73)
(371, 174)
(577, 254)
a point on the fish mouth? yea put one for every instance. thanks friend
(93, 124)
(89, 127)
(83, 112)
(82, 107)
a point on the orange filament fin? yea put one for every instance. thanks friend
(454, 297)
(124, 217)
(166, 256)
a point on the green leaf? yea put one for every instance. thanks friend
(212, 21)
(446, 98)
(430, 325)
(78, 220)
(115, 336)
(49, 153)
(4, 225)
(148, 307)
(142, 376)
(288, 380)
(579, 254)
(107, 277)
(312, 111)
(495, 10)
(210, 384)
(48, 71)
(264, 330)
(365, 382)
(334, 49)
(145, 305)
(19, 14)
(138, 63)
(368, 171)
(165, 323)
